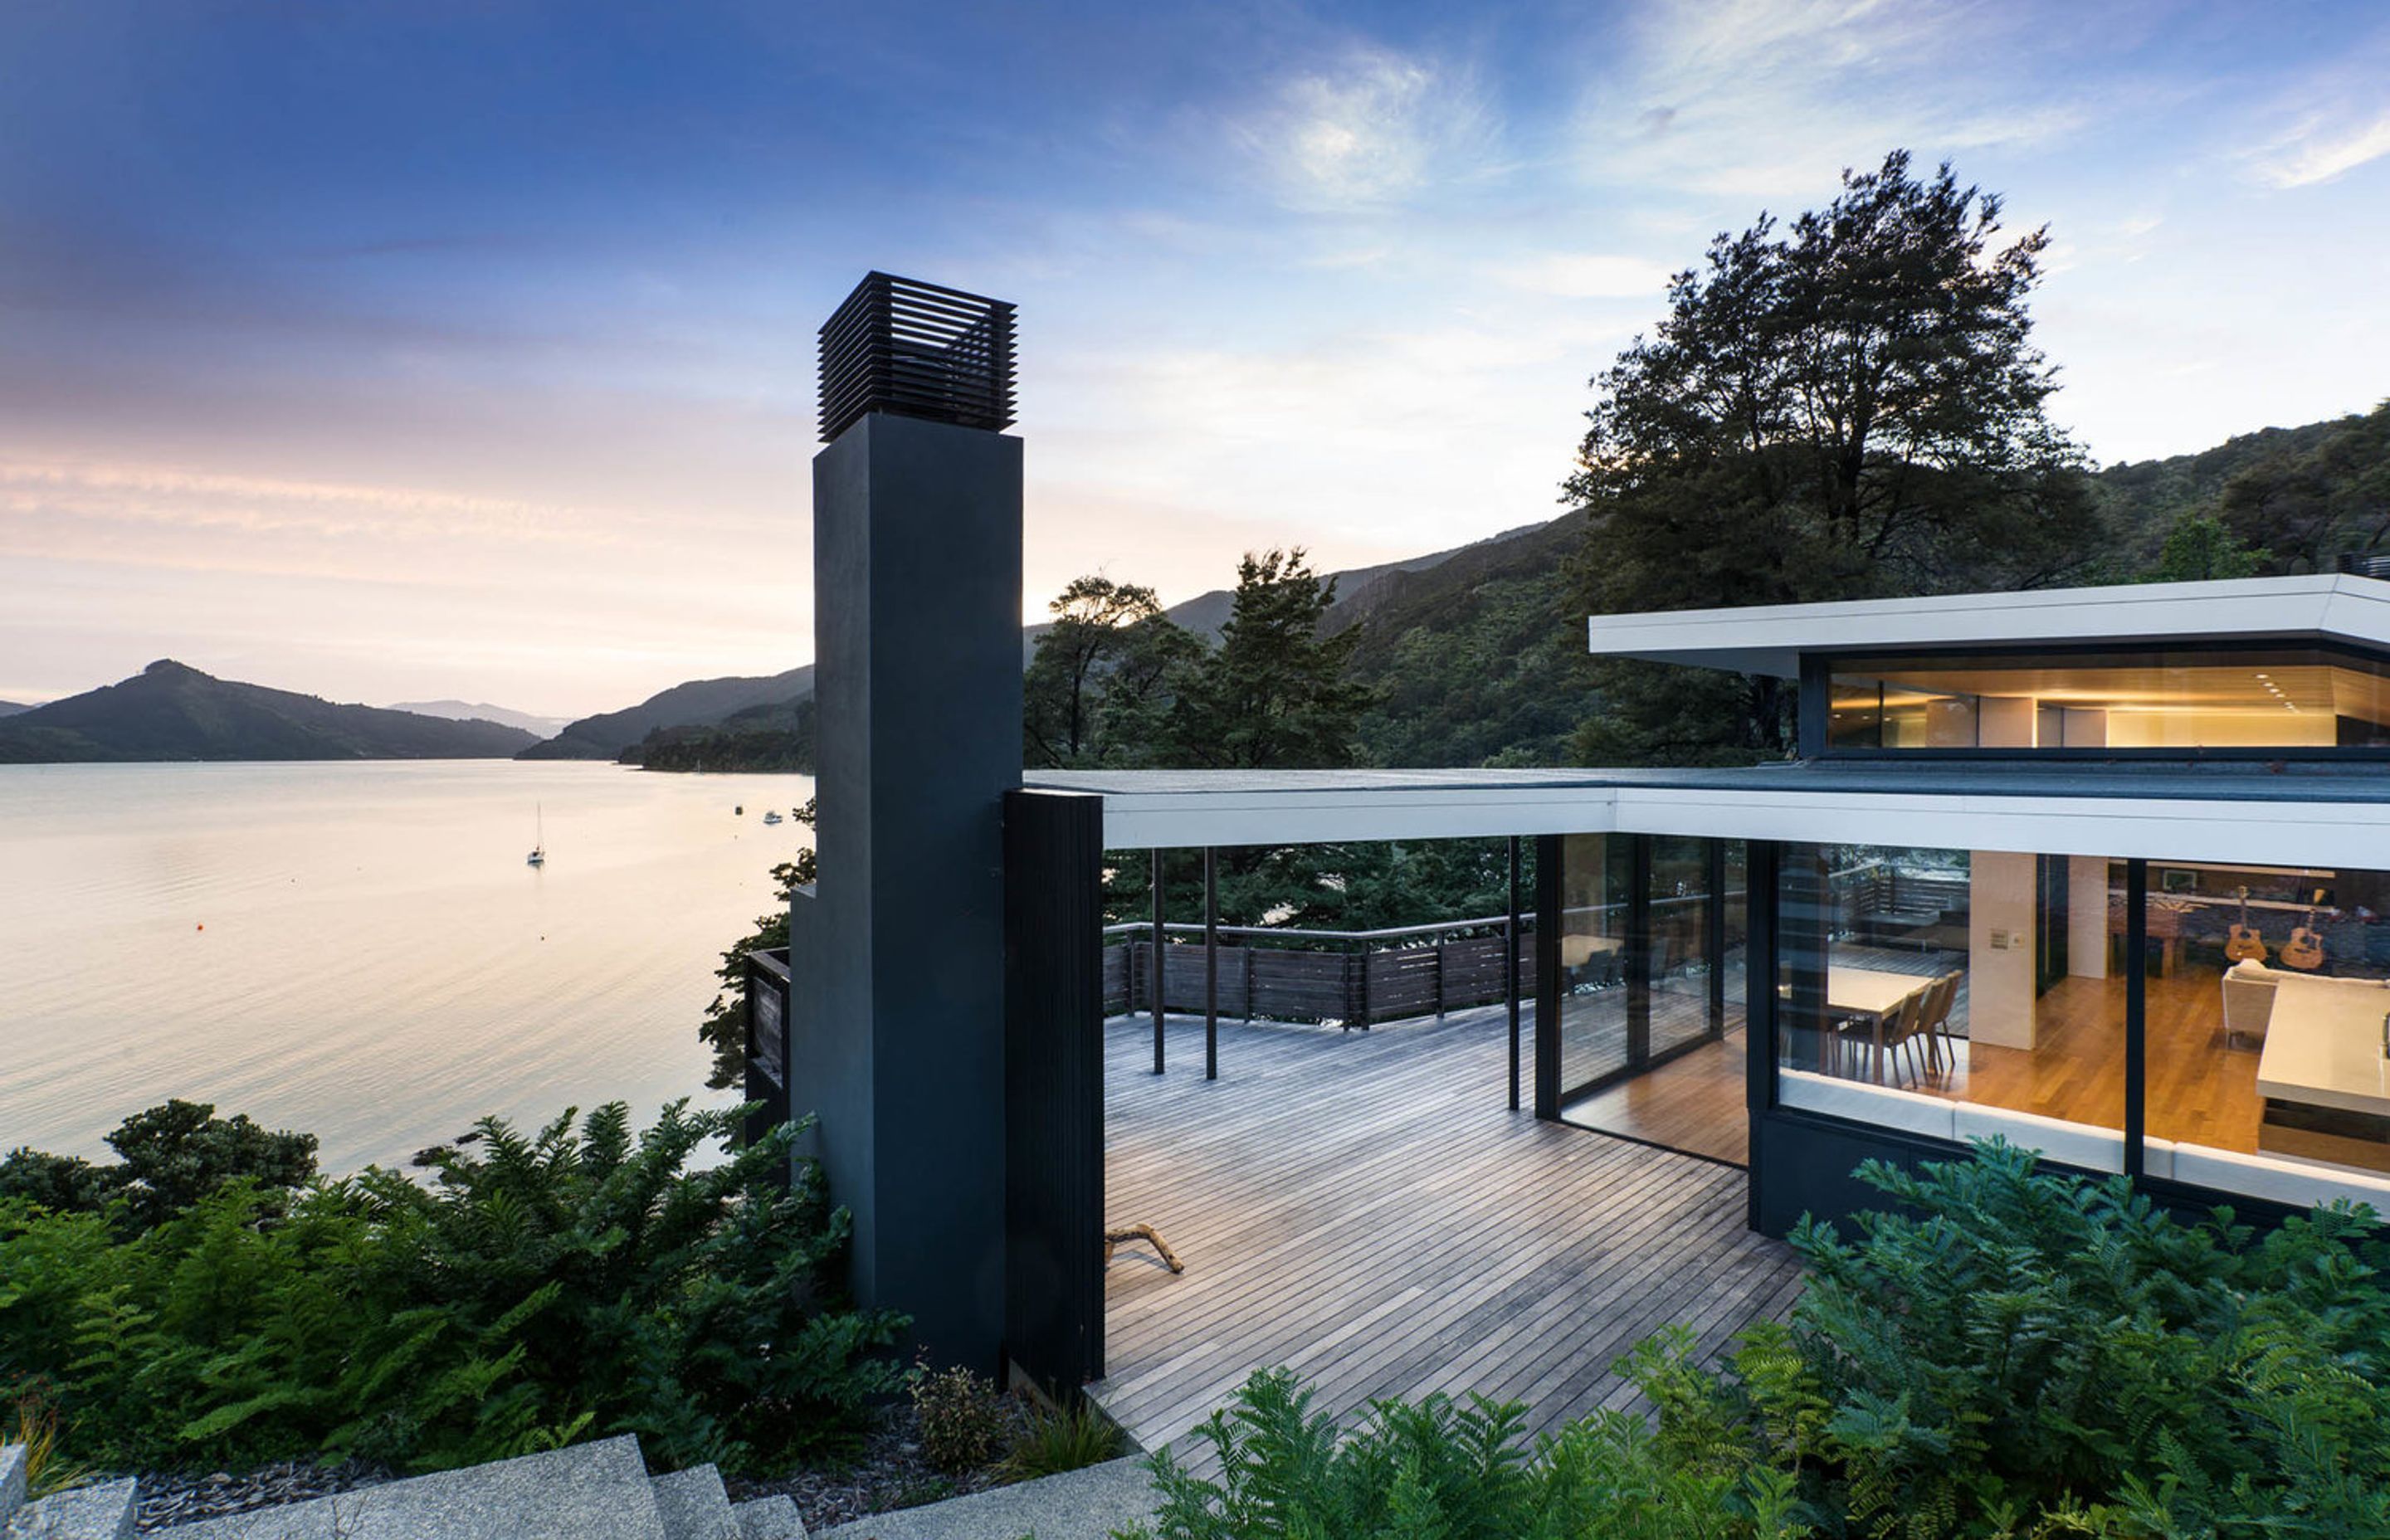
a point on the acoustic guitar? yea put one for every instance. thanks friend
(2305, 949)
(2245, 945)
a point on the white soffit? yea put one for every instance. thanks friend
(1770, 638)
(1185, 814)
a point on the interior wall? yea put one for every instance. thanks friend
(2086, 915)
(2002, 890)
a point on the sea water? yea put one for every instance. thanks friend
(358, 950)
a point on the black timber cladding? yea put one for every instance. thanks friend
(1054, 1088)
(917, 350)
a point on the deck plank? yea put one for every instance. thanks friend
(1364, 1208)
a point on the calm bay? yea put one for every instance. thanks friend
(358, 949)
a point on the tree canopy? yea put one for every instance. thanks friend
(1103, 677)
(1273, 694)
(1846, 407)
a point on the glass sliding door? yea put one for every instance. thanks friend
(1595, 909)
(1650, 991)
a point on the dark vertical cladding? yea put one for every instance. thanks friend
(1054, 1087)
(917, 350)
(916, 626)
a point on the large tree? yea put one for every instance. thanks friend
(1273, 694)
(1848, 407)
(1102, 678)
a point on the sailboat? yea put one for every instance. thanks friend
(538, 856)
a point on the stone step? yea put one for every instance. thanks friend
(769, 1518)
(1076, 1505)
(12, 1479)
(589, 1492)
(693, 1506)
(102, 1512)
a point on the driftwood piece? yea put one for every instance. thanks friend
(1123, 1234)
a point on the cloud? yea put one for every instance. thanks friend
(2321, 150)
(1374, 128)
(1571, 275)
(1767, 98)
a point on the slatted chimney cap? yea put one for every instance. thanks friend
(917, 350)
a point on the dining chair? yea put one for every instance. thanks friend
(1933, 1022)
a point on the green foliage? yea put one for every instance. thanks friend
(1849, 408)
(1273, 695)
(723, 1030)
(1450, 1471)
(1362, 886)
(962, 1423)
(2002, 1354)
(2312, 502)
(170, 1158)
(1477, 660)
(1052, 1441)
(538, 1289)
(2199, 548)
(2004, 1341)
(1104, 679)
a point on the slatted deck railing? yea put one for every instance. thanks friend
(1354, 978)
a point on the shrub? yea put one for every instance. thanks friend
(962, 1424)
(168, 1157)
(1453, 1471)
(537, 1289)
(1054, 1440)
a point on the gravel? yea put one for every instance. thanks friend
(887, 1473)
(890, 1472)
(182, 1499)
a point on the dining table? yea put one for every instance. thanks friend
(1871, 994)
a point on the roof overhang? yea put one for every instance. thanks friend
(2245, 816)
(1770, 639)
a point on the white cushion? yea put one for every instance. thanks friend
(2074, 1144)
(1881, 1105)
(2293, 1182)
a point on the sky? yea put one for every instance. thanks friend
(425, 348)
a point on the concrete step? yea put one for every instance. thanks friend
(589, 1492)
(1076, 1505)
(693, 1506)
(102, 1512)
(12, 1479)
(769, 1518)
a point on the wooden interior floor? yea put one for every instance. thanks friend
(1694, 1103)
(1364, 1208)
(2202, 1090)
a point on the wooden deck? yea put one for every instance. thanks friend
(1365, 1209)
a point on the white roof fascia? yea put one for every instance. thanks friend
(1770, 638)
(1181, 820)
(2269, 833)
(2260, 833)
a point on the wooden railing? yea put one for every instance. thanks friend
(1351, 978)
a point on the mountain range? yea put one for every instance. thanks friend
(1476, 654)
(172, 712)
(481, 711)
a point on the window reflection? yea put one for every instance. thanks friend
(2297, 698)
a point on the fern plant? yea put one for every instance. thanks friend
(537, 1288)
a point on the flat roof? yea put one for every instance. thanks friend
(1770, 639)
(2227, 811)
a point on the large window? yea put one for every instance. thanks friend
(1953, 994)
(2268, 1029)
(2279, 698)
(1961, 995)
